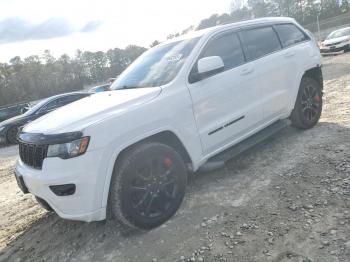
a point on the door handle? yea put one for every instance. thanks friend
(289, 54)
(247, 71)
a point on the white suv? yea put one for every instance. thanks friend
(128, 151)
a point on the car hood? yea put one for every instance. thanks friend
(13, 121)
(335, 40)
(90, 110)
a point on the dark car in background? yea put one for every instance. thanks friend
(7, 112)
(10, 127)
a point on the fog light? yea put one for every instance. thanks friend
(63, 190)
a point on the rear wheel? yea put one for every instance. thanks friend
(308, 105)
(12, 135)
(148, 185)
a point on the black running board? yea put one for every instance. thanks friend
(218, 161)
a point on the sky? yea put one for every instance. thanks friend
(28, 27)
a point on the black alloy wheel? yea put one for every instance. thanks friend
(149, 186)
(308, 105)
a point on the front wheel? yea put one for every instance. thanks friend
(148, 185)
(308, 105)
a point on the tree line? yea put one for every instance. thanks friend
(36, 77)
(304, 11)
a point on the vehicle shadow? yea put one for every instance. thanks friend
(63, 239)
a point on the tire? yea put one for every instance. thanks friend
(148, 186)
(11, 135)
(308, 105)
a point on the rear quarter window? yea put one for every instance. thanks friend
(259, 42)
(290, 35)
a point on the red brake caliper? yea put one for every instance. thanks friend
(317, 98)
(167, 162)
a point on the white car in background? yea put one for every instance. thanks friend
(336, 41)
(184, 104)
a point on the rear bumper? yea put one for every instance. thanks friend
(86, 202)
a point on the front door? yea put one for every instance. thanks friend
(226, 105)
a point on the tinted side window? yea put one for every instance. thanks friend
(228, 48)
(260, 41)
(69, 99)
(49, 106)
(290, 34)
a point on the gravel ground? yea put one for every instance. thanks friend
(287, 199)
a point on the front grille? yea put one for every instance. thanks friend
(33, 155)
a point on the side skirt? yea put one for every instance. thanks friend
(218, 161)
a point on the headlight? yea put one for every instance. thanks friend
(69, 150)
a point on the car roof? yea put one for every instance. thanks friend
(249, 22)
(340, 29)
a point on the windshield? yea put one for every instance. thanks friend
(156, 67)
(35, 107)
(339, 33)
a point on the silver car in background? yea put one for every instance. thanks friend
(336, 41)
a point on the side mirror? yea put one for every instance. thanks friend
(210, 65)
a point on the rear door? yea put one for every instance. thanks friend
(296, 47)
(227, 104)
(263, 49)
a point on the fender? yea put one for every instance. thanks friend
(194, 156)
(300, 76)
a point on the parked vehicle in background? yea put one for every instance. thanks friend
(180, 105)
(10, 127)
(30, 105)
(336, 41)
(101, 88)
(7, 112)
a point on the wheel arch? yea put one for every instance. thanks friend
(167, 137)
(316, 74)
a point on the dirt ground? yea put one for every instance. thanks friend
(287, 199)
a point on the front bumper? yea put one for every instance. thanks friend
(83, 171)
(335, 48)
